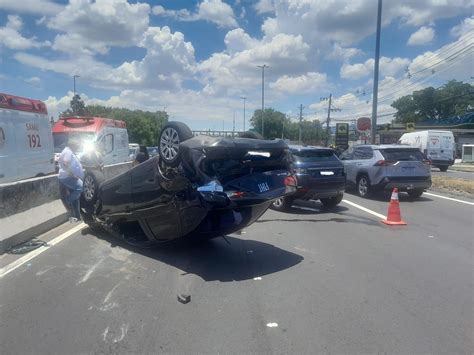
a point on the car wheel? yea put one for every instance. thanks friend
(90, 189)
(251, 135)
(443, 168)
(282, 203)
(363, 186)
(416, 193)
(332, 201)
(172, 134)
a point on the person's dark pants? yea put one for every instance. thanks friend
(70, 190)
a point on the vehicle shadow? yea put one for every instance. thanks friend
(224, 260)
(313, 207)
(384, 196)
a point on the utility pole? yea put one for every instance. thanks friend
(301, 120)
(328, 120)
(244, 98)
(376, 74)
(74, 78)
(233, 124)
(263, 93)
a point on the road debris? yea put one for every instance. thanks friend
(184, 298)
(27, 246)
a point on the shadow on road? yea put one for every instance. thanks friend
(384, 196)
(216, 260)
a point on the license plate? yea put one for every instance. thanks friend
(326, 173)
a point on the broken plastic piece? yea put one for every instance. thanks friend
(184, 298)
(27, 247)
(211, 186)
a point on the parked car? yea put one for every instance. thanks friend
(197, 187)
(152, 151)
(438, 146)
(26, 142)
(382, 167)
(319, 174)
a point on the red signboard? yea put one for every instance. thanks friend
(363, 124)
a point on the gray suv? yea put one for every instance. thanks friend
(383, 167)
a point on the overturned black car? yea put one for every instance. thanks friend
(197, 188)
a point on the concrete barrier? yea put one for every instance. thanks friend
(31, 207)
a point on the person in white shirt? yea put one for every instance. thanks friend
(70, 176)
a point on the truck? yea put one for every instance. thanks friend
(106, 135)
(438, 146)
(26, 142)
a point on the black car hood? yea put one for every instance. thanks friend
(207, 158)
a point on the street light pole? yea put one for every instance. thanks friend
(74, 78)
(376, 75)
(244, 98)
(263, 93)
(328, 119)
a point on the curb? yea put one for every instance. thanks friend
(32, 232)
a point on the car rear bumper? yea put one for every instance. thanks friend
(320, 192)
(436, 162)
(388, 183)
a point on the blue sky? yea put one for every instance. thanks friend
(196, 59)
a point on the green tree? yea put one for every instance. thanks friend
(451, 99)
(78, 108)
(273, 122)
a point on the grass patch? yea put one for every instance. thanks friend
(453, 185)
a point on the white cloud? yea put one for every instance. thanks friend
(302, 84)
(423, 36)
(343, 54)
(465, 27)
(168, 60)
(349, 21)
(10, 37)
(34, 80)
(94, 27)
(388, 67)
(283, 53)
(264, 6)
(214, 11)
(41, 7)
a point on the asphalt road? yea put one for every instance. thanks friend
(453, 174)
(301, 282)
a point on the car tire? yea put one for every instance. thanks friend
(90, 189)
(251, 135)
(282, 204)
(416, 193)
(363, 186)
(443, 168)
(172, 134)
(332, 202)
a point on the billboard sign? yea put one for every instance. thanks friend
(364, 124)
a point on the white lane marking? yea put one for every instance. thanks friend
(272, 325)
(450, 198)
(431, 236)
(364, 209)
(24, 259)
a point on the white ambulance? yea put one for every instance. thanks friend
(106, 136)
(26, 143)
(438, 146)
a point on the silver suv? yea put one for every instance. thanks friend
(383, 167)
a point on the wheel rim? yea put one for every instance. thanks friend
(169, 144)
(89, 188)
(278, 202)
(363, 187)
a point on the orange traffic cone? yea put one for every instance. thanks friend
(393, 215)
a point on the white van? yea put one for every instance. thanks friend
(26, 143)
(438, 146)
(108, 136)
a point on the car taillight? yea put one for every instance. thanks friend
(290, 181)
(426, 161)
(236, 194)
(384, 163)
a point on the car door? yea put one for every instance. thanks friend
(154, 202)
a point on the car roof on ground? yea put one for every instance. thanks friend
(307, 147)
